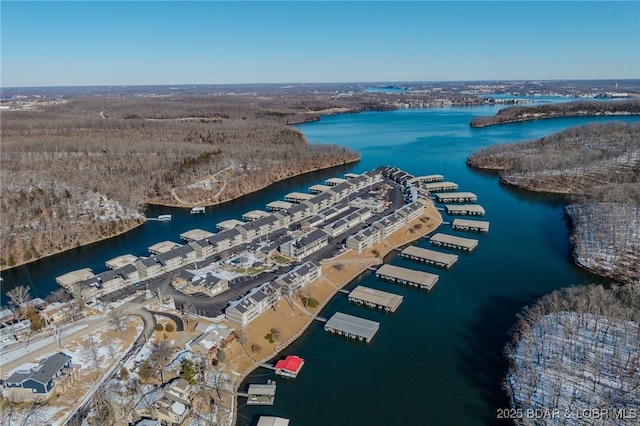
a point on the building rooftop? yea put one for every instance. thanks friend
(120, 261)
(163, 247)
(466, 243)
(461, 208)
(229, 224)
(381, 298)
(431, 255)
(70, 278)
(44, 372)
(353, 325)
(424, 279)
(196, 234)
(255, 214)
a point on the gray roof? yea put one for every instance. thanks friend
(310, 238)
(353, 325)
(127, 270)
(43, 373)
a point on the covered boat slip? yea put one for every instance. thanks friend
(352, 327)
(456, 197)
(465, 209)
(445, 240)
(440, 186)
(279, 205)
(432, 257)
(426, 179)
(406, 276)
(375, 298)
(298, 197)
(470, 225)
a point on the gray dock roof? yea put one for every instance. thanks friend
(296, 196)
(196, 234)
(255, 214)
(475, 224)
(418, 277)
(279, 205)
(431, 255)
(381, 298)
(464, 208)
(466, 243)
(120, 261)
(353, 325)
(70, 278)
(455, 195)
(435, 186)
(163, 247)
(229, 224)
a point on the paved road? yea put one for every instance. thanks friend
(177, 319)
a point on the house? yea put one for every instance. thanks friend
(169, 405)
(249, 307)
(214, 337)
(304, 246)
(299, 277)
(40, 379)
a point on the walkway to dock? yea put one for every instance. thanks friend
(423, 280)
(470, 225)
(432, 257)
(375, 298)
(451, 241)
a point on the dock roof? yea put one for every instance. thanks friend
(120, 261)
(334, 181)
(464, 208)
(268, 389)
(279, 205)
(229, 224)
(410, 275)
(163, 247)
(319, 188)
(474, 224)
(353, 325)
(466, 243)
(255, 214)
(455, 194)
(381, 298)
(73, 277)
(434, 186)
(196, 234)
(432, 255)
(272, 421)
(298, 196)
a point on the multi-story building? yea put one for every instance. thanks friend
(299, 277)
(305, 245)
(249, 307)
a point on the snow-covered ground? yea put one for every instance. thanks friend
(574, 366)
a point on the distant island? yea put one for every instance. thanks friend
(566, 109)
(597, 165)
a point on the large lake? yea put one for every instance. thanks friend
(438, 359)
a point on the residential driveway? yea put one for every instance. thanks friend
(176, 318)
(132, 308)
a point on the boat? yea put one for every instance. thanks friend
(164, 217)
(197, 210)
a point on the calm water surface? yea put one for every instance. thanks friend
(437, 360)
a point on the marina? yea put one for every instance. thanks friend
(373, 298)
(451, 241)
(440, 186)
(396, 274)
(456, 197)
(352, 327)
(470, 225)
(432, 257)
(465, 210)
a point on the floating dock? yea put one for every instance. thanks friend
(120, 261)
(163, 247)
(456, 197)
(440, 186)
(375, 298)
(254, 215)
(229, 224)
(451, 241)
(317, 189)
(70, 278)
(197, 210)
(465, 209)
(426, 179)
(277, 205)
(351, 175)
(298, 197)
(432, 257)
(261, 394)
(396, 274)
(470, 225)
(290, 366)
(352, 327)
(272, 421)
(334, 181)
(196, 235)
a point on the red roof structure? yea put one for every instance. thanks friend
(290, 366)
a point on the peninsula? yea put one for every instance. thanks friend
(566, 109)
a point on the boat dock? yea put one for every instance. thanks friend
(277, 205)
(432, 257)
(456, 197)
(196, 235)
(440, 186)
(465, 209)
(451, 241)
(426, 179)
(298, 197)
(334, 181)
(260, 394)
(396, 274)
(254, 215)
(197, 210)
(317, 189)
(352, 327)
(228, 224)
(375, 298)
(163, 247)
(470, 225)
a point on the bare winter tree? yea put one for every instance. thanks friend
(19, 295)
(117, 318)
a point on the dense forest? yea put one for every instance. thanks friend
(574, 351)
(83, 170)
(599, 166)
(564, 109)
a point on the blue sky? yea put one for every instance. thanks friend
(114, 43)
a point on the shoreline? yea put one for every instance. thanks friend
(2, 269)
(17, 265)
(226, 200)
(361, 261)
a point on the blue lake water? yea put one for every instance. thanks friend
(438, 359)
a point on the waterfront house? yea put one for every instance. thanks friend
(266, 225)
(129, 274)
(249, 307)
(213, 337)
(169, 405)
(305, 245)
(40, 379)
(299, 277)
